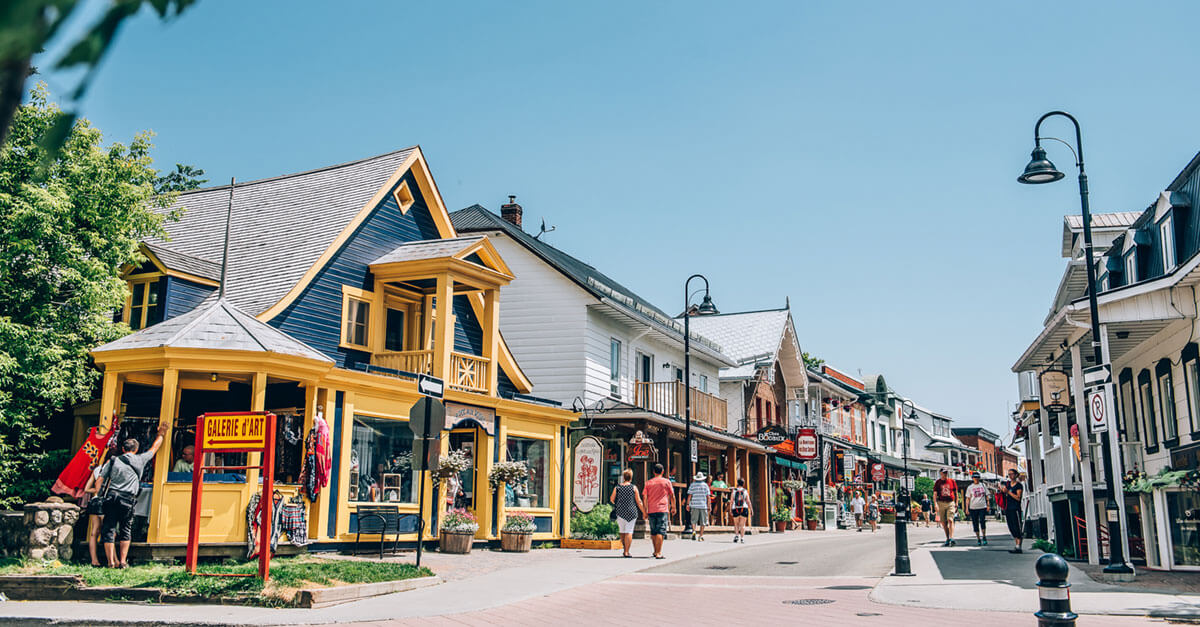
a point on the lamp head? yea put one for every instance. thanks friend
(1039, 170)
(707, 307)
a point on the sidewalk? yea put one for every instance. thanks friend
(478, 581)
(990, 578)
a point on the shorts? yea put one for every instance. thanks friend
(946, 510)
(625, 526)
(699, 517)
(741, 512)
(658, 523)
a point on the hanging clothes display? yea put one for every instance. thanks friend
(318, 458)
(293, 520)
(74, 477)
(254, 515)
(289, 452)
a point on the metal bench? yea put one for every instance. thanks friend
(380, 519)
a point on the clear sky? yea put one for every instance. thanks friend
(859, 158)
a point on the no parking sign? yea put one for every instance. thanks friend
(1097, 404)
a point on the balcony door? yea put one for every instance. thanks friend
(645, 367)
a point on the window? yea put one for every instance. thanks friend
(645, 365)
(393, 336)
(679, 374)
(1131, 271)
(1166, 396)
(883, 437)
(533, 491)
(1129, 412)
(1193, 386)
(1148, 412)
(144, 308)
(381, 461)
(704, 383)
(358, 315)
(404, 197)
(614, 367)
(1166, 232)
(1104, 282)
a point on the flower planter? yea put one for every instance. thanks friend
(779, 526)
(571, 543)
(514, 542)
(455, 542)
(811, 523)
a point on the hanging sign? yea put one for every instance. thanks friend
(1097, 405)
(1056, 395)
(877, 472)
(838, 466)
(588, 455)
(806, 443)
(848, 470)
(235, 431)
(771, 435)
(641, 449)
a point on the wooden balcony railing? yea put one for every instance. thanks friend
(468, 373)
(666, 397)
(420, 362)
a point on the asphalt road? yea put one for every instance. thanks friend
(842, 554)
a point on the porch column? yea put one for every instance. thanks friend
(342, 524)
(1085, 454)
(443, 342)
(491, 337)
(1118, 469)
(162, 460)
(1047, 444)
(258, 402)
(1033, 441)
(110, 399)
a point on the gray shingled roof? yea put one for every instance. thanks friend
(746, 335)
(218, 325)
(280, 226)
(429, 249)
(175, 260)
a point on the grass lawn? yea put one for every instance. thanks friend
(287, 575)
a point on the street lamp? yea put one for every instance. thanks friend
(706, 308)
(903, 567)
(1041, 170)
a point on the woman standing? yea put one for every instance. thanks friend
(94, 511)
(627, 502)
(873, 513)
(739, 500)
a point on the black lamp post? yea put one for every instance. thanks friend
(706, 307)
(1041, 170)
(903, 567)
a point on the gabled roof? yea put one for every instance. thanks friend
(181, 262)
(475, 219)
(754, 338)
(218, 325)
(281, 226)
(430, 249)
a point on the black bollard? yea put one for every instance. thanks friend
(1054, 593)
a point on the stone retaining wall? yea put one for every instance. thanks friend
(49, 529)
(12, 533)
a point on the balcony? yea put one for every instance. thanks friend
(666, 397)
(468, 373)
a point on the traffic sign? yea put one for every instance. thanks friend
(1097, 403)
(1097, 375)
(430, 386)
(234, 431)
(437, 418)
(695, 452)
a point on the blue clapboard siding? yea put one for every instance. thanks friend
(182, 296)
(505, 385)
(468, 334)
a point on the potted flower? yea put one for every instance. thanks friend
(781, 517)
(812, 514)
(792, 485)
(507, 472)
(457, 530)
(453, 463)
(516, 536)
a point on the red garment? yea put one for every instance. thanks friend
(658, 495)
(74, 477)
(945, 490)
(323, 449)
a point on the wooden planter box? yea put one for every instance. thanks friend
(608, 545)
(514, 542)
(455, 542)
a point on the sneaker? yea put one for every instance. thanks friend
(985, 542)
(952, 542)
(978, 542)
(1015, 551)
(946, 543)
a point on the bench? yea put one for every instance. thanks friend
(380, 519)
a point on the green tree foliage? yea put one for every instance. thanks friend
(67, 226)
(181, 179)
(812, 361)
(922, 486)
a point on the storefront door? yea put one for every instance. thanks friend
(466, 440)
(1183, 521)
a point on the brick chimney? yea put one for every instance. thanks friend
(511, 211)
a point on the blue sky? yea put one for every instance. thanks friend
(859, 158)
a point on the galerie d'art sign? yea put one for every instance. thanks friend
(641, 449)
(1056, 395)
(587, 473)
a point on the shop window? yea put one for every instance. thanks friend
(1183, 519)
(356, 317)
(533, 492)
(1147, 398)
(144, 309)
(393, 337)
(381, 461)
(1166, 396)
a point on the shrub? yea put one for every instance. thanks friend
(594, 525)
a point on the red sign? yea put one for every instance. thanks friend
(877, 472)
(242, 431)
(806, 444)
(641, 449)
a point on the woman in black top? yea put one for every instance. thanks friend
(627, 503)
(1013, 491)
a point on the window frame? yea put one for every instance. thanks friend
(1131, 267)
(1129, 409)
(615, 350)
(354, 295)
(1165, 380)
(1166, 231)
(143, 309)
(404, 197)
(1149, 417)
(1191, 385)
(550, 489)
(415, 486)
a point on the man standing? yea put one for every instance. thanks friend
(660, 503)
(977, 507)
(945, 490)
(856, 507)
(1013, 491)
(124, 473)
(698, 494)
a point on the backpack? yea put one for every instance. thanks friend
(739, 498)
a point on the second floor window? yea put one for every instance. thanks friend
(1148, 413)
(1166, 234)
(1166, 395)
(614, 366)
(358, 313)
(703, 383)
(143, 304)
(1131, 272)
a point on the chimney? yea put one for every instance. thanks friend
(511, 211)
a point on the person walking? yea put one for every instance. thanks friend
(124, 474)
(945, 490)
(857, 504)
(741, 510)
(1013, 491)
(977, 507)
(698, 494)
(873, 513)
(926, 510)
(627, 502)
(660, 503)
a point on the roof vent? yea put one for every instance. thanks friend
(511, 211)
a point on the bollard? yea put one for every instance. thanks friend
(1054, 593)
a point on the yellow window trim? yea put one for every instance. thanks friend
(404, 197)
(353, 293)
(146, 279)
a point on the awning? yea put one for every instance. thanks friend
(787, 463)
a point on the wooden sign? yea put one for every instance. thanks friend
(1056, 395)
(587, 474)
(641, 449)
(806, 443)
(234, 431)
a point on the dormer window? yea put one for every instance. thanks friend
(144, 309)
(356, 318)
(1166, 233)
(1131, 273)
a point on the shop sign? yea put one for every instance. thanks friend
(1056, 395)
(806, 444)
(234, 431)
(641, 449)
(457, 414)
(1186, 458)
(771, 435)
(587, 473)
(848, 467)
(877, 472)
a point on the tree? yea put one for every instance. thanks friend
(67, 226)
(812, 361)
(922, 486)
(182, 179)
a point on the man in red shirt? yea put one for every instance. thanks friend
(660, 502)
(945, 490)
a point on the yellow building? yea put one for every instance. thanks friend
(338, 287)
